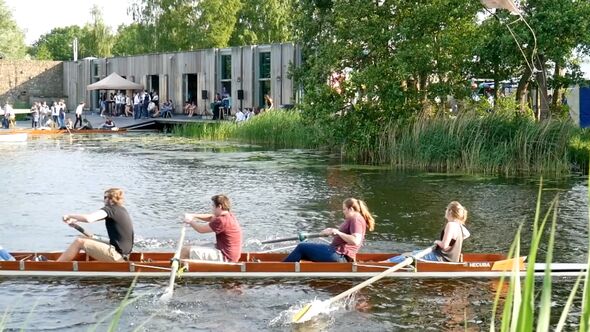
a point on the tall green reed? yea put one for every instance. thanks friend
(278, 129)
(484, 144)
(519, 304)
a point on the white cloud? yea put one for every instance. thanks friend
(37, 17)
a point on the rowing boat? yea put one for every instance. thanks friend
(49, 132)
(268, 265)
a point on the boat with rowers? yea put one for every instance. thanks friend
(269, 265)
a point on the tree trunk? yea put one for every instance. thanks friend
(557, 91)
(522, 90)
(541, 78)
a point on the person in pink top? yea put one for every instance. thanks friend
(228, 233)
(348, 238)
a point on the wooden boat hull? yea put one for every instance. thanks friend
(50, 132)
(259, 265)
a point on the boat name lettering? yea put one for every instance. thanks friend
(480, 264)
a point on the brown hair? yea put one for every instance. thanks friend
(360, 207)
(221, 200)
(457, 211)
(115, 195)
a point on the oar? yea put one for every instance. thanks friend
(300, 236)
(89, 235)
(174, 269)
(315, 308)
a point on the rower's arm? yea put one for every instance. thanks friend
(354, 239)
(203, 216)
(201, 227)
(445, 244)
(89, 217)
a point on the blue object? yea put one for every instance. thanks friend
(5, 255)
(584, 107)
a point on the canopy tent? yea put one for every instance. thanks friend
(114, 82)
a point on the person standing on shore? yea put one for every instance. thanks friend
(79, 110)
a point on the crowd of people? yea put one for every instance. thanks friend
(348, 238)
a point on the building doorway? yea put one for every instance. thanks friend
(189, 88)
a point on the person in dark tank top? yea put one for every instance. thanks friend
(347, 238)
(450, 244)
(119, 228)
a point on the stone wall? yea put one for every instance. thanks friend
(21, 80)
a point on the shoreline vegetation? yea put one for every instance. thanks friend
(469, 142)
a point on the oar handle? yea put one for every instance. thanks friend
(300, 237)
(383, 274)
(89, 235)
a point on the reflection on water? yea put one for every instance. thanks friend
(274, 194)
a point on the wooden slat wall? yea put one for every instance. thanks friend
(205, 63)
(248, 76)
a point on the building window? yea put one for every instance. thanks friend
(226, 67)
(265, 65)
(264, 77)
(225, 75)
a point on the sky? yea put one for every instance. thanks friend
(38, 17)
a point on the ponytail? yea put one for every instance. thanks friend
(361, 207)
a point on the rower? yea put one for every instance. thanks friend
(448, 248)
(119, 228)
(228, 233)
(348, 238)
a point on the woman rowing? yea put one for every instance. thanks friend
(450, 245)
(348, 238)
(119, 228)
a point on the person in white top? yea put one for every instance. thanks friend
(10, 115)
(240, 116)
(79, 111)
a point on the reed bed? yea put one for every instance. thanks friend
(484, 144)
(489, 144)
(277, 129)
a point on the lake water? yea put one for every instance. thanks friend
(274, 194)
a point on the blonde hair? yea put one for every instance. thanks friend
(360, 207)
(115, 195)
(457, 211)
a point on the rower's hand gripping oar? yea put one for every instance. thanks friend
(174, 268)
(313, 309)
(300, 236)
(88, 234)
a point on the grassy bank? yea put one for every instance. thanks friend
(277, 129)
(494, 144)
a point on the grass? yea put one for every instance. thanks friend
(520, 302)
(492, 144)
(277, 129)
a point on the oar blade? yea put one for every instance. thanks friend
(167, 295)
(309, 311)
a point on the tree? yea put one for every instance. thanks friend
(263, 22)
(12, 39)
(97, 37)
(57, 44)
(133, 39)
(180, 25)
